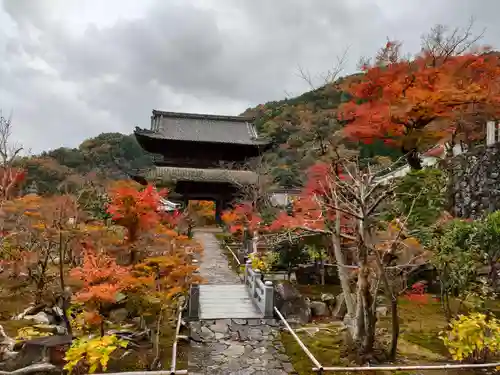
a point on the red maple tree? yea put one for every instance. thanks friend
(136, 210)
(242, 217)
(414, 103)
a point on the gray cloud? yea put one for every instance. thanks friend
(66, 82)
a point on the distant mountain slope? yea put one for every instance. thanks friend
(67, 167)
(303, 129)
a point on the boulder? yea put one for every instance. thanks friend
(30, 310)
(340, 309)
(329, 299)
(291, 303)
(6, 346)
(319, 308)
(381, 311)
(50, 349)
(40, 318)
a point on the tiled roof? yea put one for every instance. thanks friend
(174, 174)
(202, 128)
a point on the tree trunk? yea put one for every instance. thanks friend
(365, 316)
(343, 275)
(395, 328)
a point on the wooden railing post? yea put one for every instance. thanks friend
(268, 299)
(194, 298)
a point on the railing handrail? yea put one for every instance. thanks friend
(299, 341)
(234, 255)
(261, 292)
(176, 339)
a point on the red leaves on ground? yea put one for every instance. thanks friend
(418, 294)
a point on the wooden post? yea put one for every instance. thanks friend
(194, 302)
(218, 211)
(194, 299)
(268, 299)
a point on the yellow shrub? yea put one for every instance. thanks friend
(472, 337)
(94, 352)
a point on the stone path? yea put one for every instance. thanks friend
(233, 346)
(214, 268)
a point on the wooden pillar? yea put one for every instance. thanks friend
(194, 298)
(219, 207)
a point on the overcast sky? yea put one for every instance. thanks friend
(71, 69)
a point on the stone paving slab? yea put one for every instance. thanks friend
(238, 346)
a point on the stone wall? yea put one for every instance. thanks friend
(474, 183)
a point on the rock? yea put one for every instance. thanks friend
(288, 367)
(291, 303)
(30, 310)
(6, 346)
(381, 311)
(340, 306)
(51, 348)
(319, 308)
(328, 297)
(40, 318)
(235, 350)
(118, 315)
(57, 311)
(51, 328)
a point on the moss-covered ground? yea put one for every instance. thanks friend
(419, 341)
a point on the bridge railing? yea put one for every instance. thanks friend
(261, 292)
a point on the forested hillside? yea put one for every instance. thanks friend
(106, 156)
(303, 128)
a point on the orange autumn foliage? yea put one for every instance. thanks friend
(415, 103)
(202, 210)
(242, 217)
(135, 209)
(102, 278)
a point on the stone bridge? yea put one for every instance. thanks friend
(232, 322)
